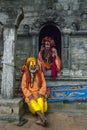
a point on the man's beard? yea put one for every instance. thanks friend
(32, 70)
(47, 47)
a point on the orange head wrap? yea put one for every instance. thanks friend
(31, 61)
(49, 39)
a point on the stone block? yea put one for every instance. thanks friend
(11, 109)
(74, 107)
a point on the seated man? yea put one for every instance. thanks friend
(48, 58)
(34, 88)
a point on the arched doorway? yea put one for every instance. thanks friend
(52, 31)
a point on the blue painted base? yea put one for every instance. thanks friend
(68, 93)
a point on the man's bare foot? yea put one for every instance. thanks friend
(42, 122)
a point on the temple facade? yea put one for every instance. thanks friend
(23, 24)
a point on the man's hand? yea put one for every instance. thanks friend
(31, 97)
(39, 95)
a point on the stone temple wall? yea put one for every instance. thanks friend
(78, 55)
(70, 16)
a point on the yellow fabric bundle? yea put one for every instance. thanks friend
(39, 105)
(31, 60)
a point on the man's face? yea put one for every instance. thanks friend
(32, 67)
(47, 44)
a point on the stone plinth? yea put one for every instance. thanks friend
(11, 109)
(74, 107)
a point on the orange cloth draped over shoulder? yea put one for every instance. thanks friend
(39, 85)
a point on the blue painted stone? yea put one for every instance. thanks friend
(70, 93)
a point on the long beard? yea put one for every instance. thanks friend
(32, 73)
(32, 70)
(32, 79)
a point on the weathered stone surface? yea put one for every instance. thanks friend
(70, 19)
(73, 107)
(59, 13)
(8, 63)
(11, 109)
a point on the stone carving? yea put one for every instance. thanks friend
(50, 4)
(84, 16)
(48, 17)
(74, 26)
(83, 24)
(9, 10)
(1, 29)
(19, 18)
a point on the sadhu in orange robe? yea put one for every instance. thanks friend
(55, 65)
(38, 87)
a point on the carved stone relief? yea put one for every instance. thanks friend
(9, 10)
(83, 24)
(1, 29)
(48, 17)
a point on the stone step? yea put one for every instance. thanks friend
(11, 109)
(65, 80)
(73, 107)
(66, 88)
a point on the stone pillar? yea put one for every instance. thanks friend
(10, 108)
(66, 51)
(35, 44)
(8, 73)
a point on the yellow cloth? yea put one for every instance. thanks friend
(43, 104)
(39, 105)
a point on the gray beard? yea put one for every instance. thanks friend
(32, 70)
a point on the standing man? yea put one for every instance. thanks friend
(48, 58)
(34, 88)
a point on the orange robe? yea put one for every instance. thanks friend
(55, 66)
(39, 87)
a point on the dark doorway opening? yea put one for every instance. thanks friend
(54, 32)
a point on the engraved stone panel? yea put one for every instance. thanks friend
(78, 55)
